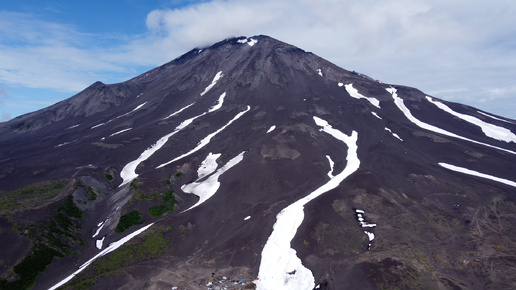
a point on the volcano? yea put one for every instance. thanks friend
(253, 164)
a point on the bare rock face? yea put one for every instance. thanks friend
(190, 169)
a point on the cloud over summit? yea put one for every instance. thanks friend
(456, 50)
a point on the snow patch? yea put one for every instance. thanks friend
(393, 134)
(340, 84)
(207, 188)
(73, 126)
(490, 130)
(135, 109)
(280, 268)
(219, 103)
(120, 132)
(65, 143)
(178, 111)
(128, 173)
(252, 42)
(376, 115)
(364, 224)
(493, 117)
(99, 243)
(100, 226)
(355, 94)
(319, 71)
(109, 249)
(206, 139)
(478, 174)
(213, 82)
(401, 105)
(247, 217)
(271, 129)
(330, 173)
(208, 166)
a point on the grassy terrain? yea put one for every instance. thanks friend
(129, 219)
(150, 245)
(54, 238)
(169, 201)
(30, 196)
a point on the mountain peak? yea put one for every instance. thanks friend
(252, 161)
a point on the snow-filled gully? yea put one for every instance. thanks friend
(280, 268)
(478, 174)
(401, 105)
(355, 94)
(128, 173)
(206, 139)
(113, 246)
(208, 187)
(490, 130)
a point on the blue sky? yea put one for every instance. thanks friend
(454, 50)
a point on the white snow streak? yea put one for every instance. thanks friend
(355, 94)
(213, 82)
(376, 115)
(74, 126)
(271, 129)
(100, 226)
(247, 217)
(206, 139)
(493, 117)
(207, 188)
(393, 134)
(278, 258)
(135, 109)
(120, 132)
(65, 143)
(476, 173)
(97, 125)
(399, 103)
(330, 173)
(490, 130)
(178, 111)
(128, 173)
(109, 249)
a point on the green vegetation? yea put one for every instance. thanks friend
(129, 219)
(29, 268)
(330, 238)
(146, 247)
(178, 174)
(91, 194)
(133, 185)
(108, 176)
(54, 238)
(30, 196)
(169, 201)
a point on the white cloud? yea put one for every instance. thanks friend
(455, 47)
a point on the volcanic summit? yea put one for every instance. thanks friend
(255, 164)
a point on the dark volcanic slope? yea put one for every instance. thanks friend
(257, 98)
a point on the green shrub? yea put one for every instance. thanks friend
(167, 206)
(30, 196)
(159, 210)
(108, 176)
(129, 219)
